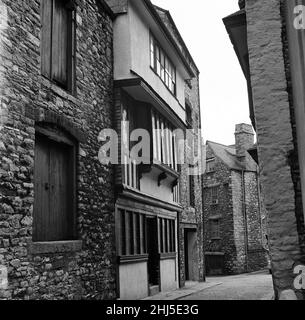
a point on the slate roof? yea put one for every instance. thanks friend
(228, 155)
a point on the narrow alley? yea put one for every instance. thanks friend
(252, 286)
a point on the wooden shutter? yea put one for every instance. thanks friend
(61, 210)
(46, 37)
(54, 191)
(60, 42)
(42, 185)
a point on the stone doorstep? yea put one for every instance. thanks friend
(184, 292)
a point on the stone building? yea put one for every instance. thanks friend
(268, 37)
(159, 228)
(56, 199)
(233, 213)
(72, 227)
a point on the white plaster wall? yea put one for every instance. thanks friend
(168, 275)
(132, 54)
(122, 48)
(149, 185)
(133, 281)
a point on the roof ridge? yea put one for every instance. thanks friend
(220, 144)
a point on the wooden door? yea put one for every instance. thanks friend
(53, 210)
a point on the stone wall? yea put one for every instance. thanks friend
(192, 217)
(240, 215)
(275, 136)
(221, 177)
(85, 270)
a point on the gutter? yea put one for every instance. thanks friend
(106, 7)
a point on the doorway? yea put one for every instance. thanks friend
(191, 255)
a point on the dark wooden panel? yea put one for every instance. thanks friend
(46, 36)
(42, 185)
(61, 210)
(127, 233)
(142, 236)
(60, 42)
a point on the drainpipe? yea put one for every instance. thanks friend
(260, 206)
(245, 217)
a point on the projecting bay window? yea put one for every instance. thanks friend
(165, 148)
(162, 65)
(58, 42)
(167, 236)
(130, 168)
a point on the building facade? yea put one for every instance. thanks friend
(56, 199)
(268, 38)
(233, 213)
(71, 225)
(159, 230)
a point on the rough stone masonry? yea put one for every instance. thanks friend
(85, 268)
(275, 122)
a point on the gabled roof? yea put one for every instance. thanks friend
(121, 7)
(228, 156)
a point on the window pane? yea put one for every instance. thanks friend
(152, 53)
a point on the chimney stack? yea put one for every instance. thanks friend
(244, 139)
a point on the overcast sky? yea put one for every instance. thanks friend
(224, 99)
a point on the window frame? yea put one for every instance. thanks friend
(165, 146)
(47, 67)
(209, 161)
(215, 223)
(131, 243)
(167, 235)
(168, 71)
(214, 194)
(59, 136)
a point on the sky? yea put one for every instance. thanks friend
(224, 98)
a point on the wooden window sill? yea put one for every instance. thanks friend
(133, 259)
(55, 247)
(168, 256)
(214, 254)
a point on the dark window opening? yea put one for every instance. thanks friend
(215, 229)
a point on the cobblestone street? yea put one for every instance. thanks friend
(254, 286)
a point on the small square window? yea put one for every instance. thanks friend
(210, 165)
(215, 229)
